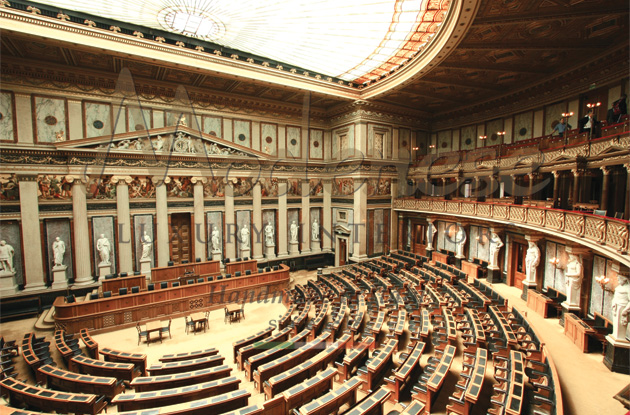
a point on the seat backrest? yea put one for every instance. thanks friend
(171, 263)
(267, 269)
(164, 285)
(220, 277)
(618, 215)
(151, 287)
(237, 274)
(189, 282)
(260, 270)
(109, 276)
(135, 289)
(228, 276)
(599, 212)
(198, 259)
(122, 291)
(199, 279)
(70, 299)
(275, 268)
(248, 272)
(123, 274)
(238, 260)
(184, 261)
(210, 279)
(107, 294)
(226, 261)
(136, 273)
(176, 284)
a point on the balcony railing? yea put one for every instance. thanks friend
(599, 232)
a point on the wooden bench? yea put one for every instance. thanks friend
(260, 346)
(215, 405)
(197, 354)
(20, 393)
(414, 408)
(372, 404)
(462, 400)
(36, 353)
(66, 346)
(72, 382)
(309, 389)
(90, 344)
(403, 375)
(285, 319)
(20, 307)
(299, 322)
(153, 383)
(428, 392)
(333, 400)
(354, 358)
(87, 365)
(376, 367)
(139, 360)
(237, 345)
(172, 396)
(181, 366)
(316, 324)
(254, 362)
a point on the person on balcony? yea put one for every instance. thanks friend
(618, 110)
(589, 123)
(561, 127)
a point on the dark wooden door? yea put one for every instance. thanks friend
(180, 238)
(518, 265)
(343, 252)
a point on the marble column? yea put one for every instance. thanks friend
(477, 192)
(513, 190)
(603, 203)
(230, 222)
(34, 278)
(161, 213)
(626, 213)
(556, 187)
(82, 254)
(201, 239)
(282, 218)
(327, 221)
(258, 233)
(576, 186)
(359, 233)
(125, 244)
(306, 217)
(530, 190)
(393, 218)
(458, 188)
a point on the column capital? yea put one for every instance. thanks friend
(327, 181)
(77, 179)
(576, 172)
(535, 238)
(556, 174)
(605, 170)
(159, 180)
(22, 177)
(121, 180)
(199, 180)
(577, 250)
(627, 166)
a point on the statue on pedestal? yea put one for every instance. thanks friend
(573, 279)
(532, 259)
(460, 242)
(104, 249)
(621, 308)
(59, 249)
(216, 247)
(495, 245)
(147, 244)
(294, 232)
(6, 258)
(431, 230)
(315, 231)
(269, 240)
(244, 237)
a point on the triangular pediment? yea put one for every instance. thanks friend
(341, 230)
(167, 141)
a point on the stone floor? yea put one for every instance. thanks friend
(587, 385)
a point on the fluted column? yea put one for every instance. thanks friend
(230, 225)
(306, 217)
(513, 190)
(82, 255)
(125, 244)
(258, 222)
(282, 218)
(327, 235)
(576, 186)
(34, 278)
(530, 190)
(556, 187)
(201, 239)
(603, 203)
(359, 231)
(161, 213)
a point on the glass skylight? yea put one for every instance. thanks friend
(355, 40)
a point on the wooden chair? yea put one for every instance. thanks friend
(190, 325)
(141, 333)
(167, 329)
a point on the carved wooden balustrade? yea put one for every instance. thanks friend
(602, 233)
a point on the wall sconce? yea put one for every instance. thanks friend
(480, 240)
(593, 105)
(555, 261)
(603, 281)
(432, 146)
(483, 137)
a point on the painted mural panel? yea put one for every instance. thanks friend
(317, 187)
(492, 128)
(342, 187)
(141, 187)
(179, 187)
(243, 133)
(242, 187)
(9, 188)
(52, 187)
(215, 187)
(51, 122)
(269, 187)
(213, 126)
(468, 137)
(379, 187)
(101, 188)
(379, 230)
(523, 126)
(294, 188)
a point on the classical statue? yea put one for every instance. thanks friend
(147, 244)
(6, 257)
(59, 249)
(315, 231)
(495, 245)
(573, 279)
(269, 240)
(104, 249)
(460, 241)
(215, 240)
(621, 308)
(158, 144)
(244, 237)
(532, 259)
(431, 230)
(294, 232)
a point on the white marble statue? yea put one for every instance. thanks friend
(147, 244)
(59, 249)
(431, 230)
(104, 249)
(495, 246)
(244, 237)
(532, 259)
(315, 231)
(294, 232)
(215, 240)
(573, 279)
(269, 239)
(6, 257)
(158, 144)
(621, 309)
(460, 242)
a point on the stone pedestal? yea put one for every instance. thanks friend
(527, 286)
(458, 262)
(493, 275)
(7, 283)
(145, 268)
(59, 277)
(569, 308)
(315, 245)
(617, 357)
(245, 253)
(216, 256)
(270, 251)
(294, 248)
(104, 269)
(429, 252)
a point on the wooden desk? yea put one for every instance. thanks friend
(237, 345)
(215, 405)
(199, 320)
(69, 381)
(181, 366)
(538, 302)
(153, 383)
(232, 267)
(115, 284)
(152, 327)
(138, 360)
(377, 366)
(253, 362)
(235, 311)
(309, 389)
(371, 405)
(354, 358)
(346, 393)
(260, 346)
(577, 331)
(121, 371)
(175, 271)
(405, 373)
(90, 344)
(175, 357)
(516, 392)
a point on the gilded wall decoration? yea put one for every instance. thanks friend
(179, 187)
(9, 188)
(53, 187)
(141, 187)
(101, 188)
